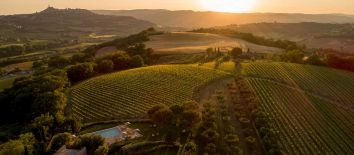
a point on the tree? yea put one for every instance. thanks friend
(294, 56)
(209, 136)
(177, 109)
(314, 60)
(91, 142)
(340, 62)
(137, 49)
(105, 66)
(49, 102)
(190, 148)
(72, 125)
(190, 119)
(102, 150)
(121, 61)
(210, 149)
(191, 105)
(80, 72)
(13, 147)
(137, 61)
(155, 108)
(236, 52)
(2, 72)
(79, 58)
(210, 51)
(18, 101)
(163, 117)
(42, 126)
(58, 62)
(58, 141)
(28, 140)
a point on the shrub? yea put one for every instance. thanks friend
(58, 141)
(244, 121)
(105, 66)
(80, 72)
(190, 148)
(91, 142)
(210, 148)
(102, 150)
(58, 62)
(232, 139)
(137, 61)
(209, 136)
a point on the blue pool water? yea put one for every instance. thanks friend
(108, 133)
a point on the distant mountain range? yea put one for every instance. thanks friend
(192, 19)
(51, 23)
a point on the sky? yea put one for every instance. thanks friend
(278, 6)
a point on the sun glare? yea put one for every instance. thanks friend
(228, 5)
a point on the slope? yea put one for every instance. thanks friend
(310, 108)
(188, 42)
(52, 23)
(129, 94)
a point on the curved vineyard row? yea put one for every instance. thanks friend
(305, 124)
(129, 94)
(332, 84)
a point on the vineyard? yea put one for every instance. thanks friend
(129, 94)
(310, 107)
(305, 124)
(335, 86)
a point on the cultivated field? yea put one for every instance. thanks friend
(333, 85)
(186, 42)
(6, 83)
(310, 107)
(129, 94)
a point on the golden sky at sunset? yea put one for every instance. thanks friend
(279, 6)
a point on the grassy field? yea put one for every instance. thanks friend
(6, 82)
(22, 66)
(186, 42)
(310, 107)
(129, 94)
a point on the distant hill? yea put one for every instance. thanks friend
(188, 43)
(192, 19)
(296, 31)
(314, 35)
(51, 23)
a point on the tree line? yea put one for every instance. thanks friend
(279, 43)
(28, 47)
(333, 60)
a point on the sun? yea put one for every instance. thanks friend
(238, 6)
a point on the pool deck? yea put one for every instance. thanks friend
(118, 133)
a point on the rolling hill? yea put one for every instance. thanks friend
(314, 35)
(129, 94)
(311, 108)
(52, 23)
(192, 19)
(188, 42)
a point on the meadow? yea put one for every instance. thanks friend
(188, 43)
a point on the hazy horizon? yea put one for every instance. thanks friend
(230, 6)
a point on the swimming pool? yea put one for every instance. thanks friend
(109, 133)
